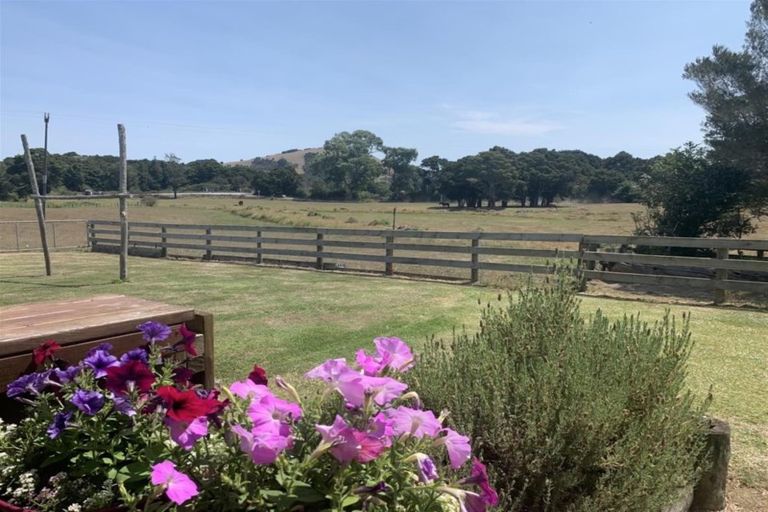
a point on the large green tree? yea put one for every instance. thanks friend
(346, 168)
(406, 177)
(733, 89)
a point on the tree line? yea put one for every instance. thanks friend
(356, 166)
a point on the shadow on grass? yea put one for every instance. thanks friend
(53, 285)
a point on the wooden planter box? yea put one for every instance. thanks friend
(82, 324)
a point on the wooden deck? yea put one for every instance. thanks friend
(81, 324)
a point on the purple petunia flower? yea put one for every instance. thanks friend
(458, 447)
(136, 354)
(427, 468)
(186, 433)
(89, 402)
(154, 331)
(29, 384)
(99, 361)
(415, 422)
(123, 405)
(67, 374)
(103, 347)
(60, 422)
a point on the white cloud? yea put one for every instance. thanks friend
(492, 123)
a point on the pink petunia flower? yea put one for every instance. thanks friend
(348, 444)
(415, 422)
(186, 433)
(397, 353)
(248, 389)
(273, 413)
(342, 378)
(178, 487)
(263, 444)
(458, 447)
(383, 389)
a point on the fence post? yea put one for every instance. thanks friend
(721, 274)
(474, 274)
(258, 247)
(163, 240)
(53, 231)
(18, 244)
(208, 251)
(389, 252)
(760, 254)
(319, 248)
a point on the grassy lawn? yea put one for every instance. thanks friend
(289, 320)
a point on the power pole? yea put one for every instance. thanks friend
(44, 192)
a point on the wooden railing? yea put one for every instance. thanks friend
(739, 265)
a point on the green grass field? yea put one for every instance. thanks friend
(289, 320)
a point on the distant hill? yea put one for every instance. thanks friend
(294, 156)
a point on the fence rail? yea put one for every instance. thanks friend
(730, 269)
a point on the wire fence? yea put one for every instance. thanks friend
(24, 235)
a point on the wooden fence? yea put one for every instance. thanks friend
(737, 265)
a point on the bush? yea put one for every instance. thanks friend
(572, 413)
(148, 200)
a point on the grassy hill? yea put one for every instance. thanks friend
(294, 156)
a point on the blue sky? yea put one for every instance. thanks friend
(231, 80)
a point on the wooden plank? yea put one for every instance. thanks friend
(510, 267)
(678, 261)
(670, 241)
(431, 262)
(432, 248)
(203, 324)
(533, 253)
(691, 282)
(26, 326)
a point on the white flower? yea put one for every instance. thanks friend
(75, 507)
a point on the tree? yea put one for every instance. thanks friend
(175, 176)
(430, 175)
(733, 90)
(279, 181)
(686, 193)
(406, 179)
(346, 168)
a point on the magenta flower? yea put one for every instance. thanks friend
(383, 389)
(348, 444)
(415, 422)
(89, 402)
(427, 468)
(247, 388)
(371, 365)
(380, 427)
(186, 433)
(479, 477)
(458, 447)
(178, 487)
(154, 331)
(273, 413)
(188, 340)
(263, 445)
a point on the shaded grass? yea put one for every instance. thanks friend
(290, 320)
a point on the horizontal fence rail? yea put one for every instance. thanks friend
(609, 258)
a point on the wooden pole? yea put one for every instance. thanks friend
(123, 204)
(319, 247)
(38, 203)
(389, 253)
(474, 271)
(46, 118)
(721, 274)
